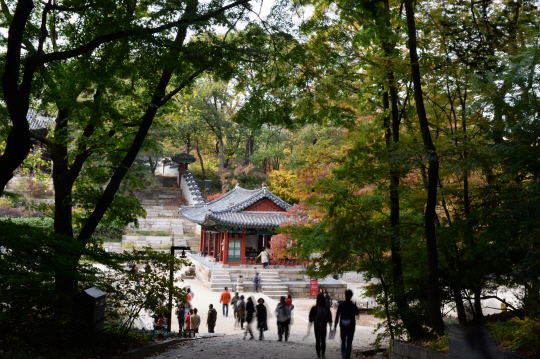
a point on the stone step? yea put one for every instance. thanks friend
(276, 296)
(218, 290)
(221, 276)
(221, 286)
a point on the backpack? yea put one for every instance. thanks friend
(347, 320)
(321, 317)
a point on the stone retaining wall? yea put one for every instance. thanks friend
(157, 242)
(400, 350)
(288, 278)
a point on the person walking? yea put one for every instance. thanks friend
(328, 299)
(187, 308)
(250, 310)
(320, 316)
(211, 318)
(262, 316)
(346, 317)
(188, 320)
(234, 302)
(283, 314)
(257, 282)
(241, 311)
(265, 258)
(225, 299)
(195, 321)
(189, 295)
(180, 313)
(288, 301)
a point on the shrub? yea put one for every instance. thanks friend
(214, 196)
(439, 344)
(518, 335)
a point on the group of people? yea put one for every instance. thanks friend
(245, 312)
(320, 316)
(190, 320)
(160, 322)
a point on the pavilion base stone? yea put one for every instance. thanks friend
(274, 283)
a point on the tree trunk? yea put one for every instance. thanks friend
(392, 138)
(249, 148)
(15, 97)
(146, 122)
(433, 174)
(221, 153)
(202, 165)
(478, 314)
(188, 143)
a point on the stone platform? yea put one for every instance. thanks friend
(276, 281)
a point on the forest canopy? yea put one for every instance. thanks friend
(406, 133)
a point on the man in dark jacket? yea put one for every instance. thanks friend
(180, 312)
(346, 317)
(211, 319)
(256, 282)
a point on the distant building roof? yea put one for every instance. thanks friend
(183, 158)
(227, 210)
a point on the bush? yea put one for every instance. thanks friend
(518, 335)
(30, 324)
(44, 223)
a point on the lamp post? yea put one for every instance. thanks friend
(171, 278)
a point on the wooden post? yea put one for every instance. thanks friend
(243, 249)
(226, 250)
(201, 242)
(216, 245)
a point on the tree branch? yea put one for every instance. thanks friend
(43, 139)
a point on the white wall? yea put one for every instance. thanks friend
(186, 192)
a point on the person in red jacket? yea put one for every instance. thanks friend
(225, 299)
(188, 321)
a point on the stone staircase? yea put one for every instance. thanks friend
(220, 280)
(161, 211)
(174, 226)
(272, 286)
(157, 197)
(191, 242)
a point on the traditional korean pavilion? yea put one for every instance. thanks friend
(241, 221)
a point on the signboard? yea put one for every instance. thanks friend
(313, 288)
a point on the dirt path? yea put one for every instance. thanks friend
(232, 345)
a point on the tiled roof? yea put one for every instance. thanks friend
(38, 122)
(226, 210)
(249, 219)
(183, 158)
(193, 187)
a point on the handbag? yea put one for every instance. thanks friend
(332, 334)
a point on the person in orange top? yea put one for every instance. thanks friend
(188, 321)
(189, 296)
(225, 299)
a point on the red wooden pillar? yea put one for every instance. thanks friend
(201, 242)
(243, 249)
(226, 251)
(216, 244)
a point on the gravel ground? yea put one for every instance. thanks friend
(232, 345)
